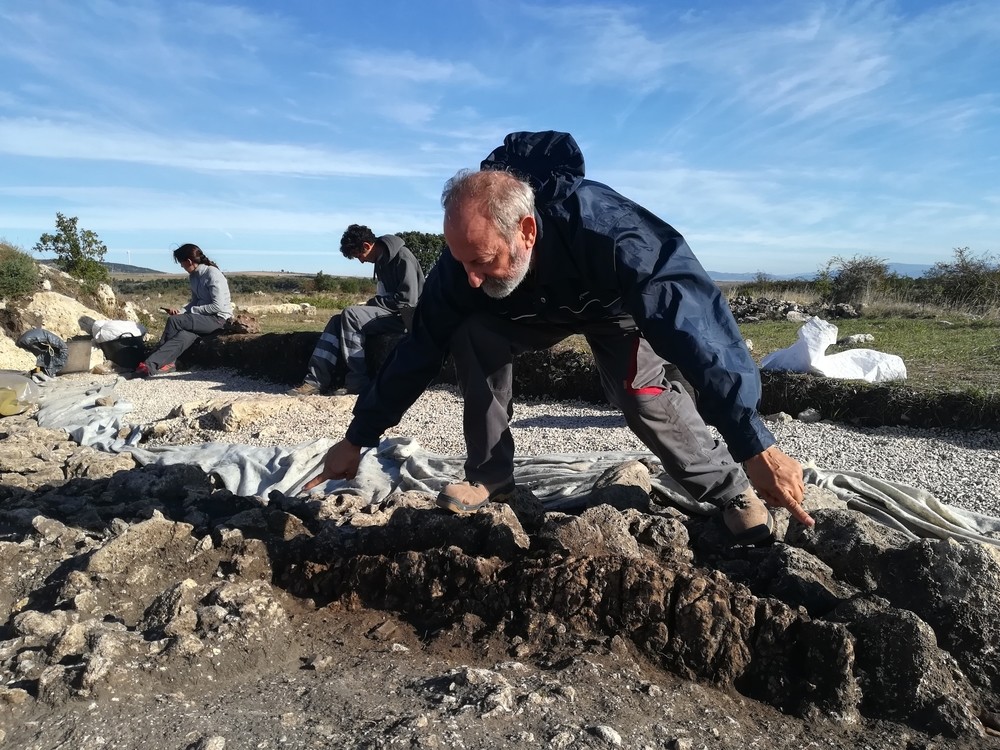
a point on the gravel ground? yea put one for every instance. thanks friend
(960, 468)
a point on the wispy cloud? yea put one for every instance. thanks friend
(783, 130)
(52, 140)
(606, 45)
(121, 209)
(413, 113)
(411, 68)
(802, 67)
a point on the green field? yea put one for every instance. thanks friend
(942, 350)
(957, 353)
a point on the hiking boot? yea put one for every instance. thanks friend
(468, 497)
(306, 389)
(349, 390)
(748, 519)
(142, 370)
(354, 386)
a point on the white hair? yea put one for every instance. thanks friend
(504, 198)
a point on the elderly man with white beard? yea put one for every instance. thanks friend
(536, 253)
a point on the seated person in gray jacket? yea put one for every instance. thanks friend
(341, 346)
(207, 312)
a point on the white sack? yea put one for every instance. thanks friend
(807, 354)
(109, 330)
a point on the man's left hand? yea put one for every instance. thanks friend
(777, 478)
(340, 462)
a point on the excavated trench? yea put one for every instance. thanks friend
(848, 620)
(148, 548)
(628, 575)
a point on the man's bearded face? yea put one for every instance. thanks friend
(520, 262)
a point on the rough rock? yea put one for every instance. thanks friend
(627, 485)
(63, 316)
(752, 309)
(150, 581)
(855, 339)
(284, 308)
(12, 356)
(106, 298)
(953, 587)
(238, 414)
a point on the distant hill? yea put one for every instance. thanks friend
(729, 276)
(126, 268)
(912, 270)
(112, 267)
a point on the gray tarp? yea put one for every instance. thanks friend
(401, 464)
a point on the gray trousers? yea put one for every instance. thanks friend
(178, 334)
(649, 391)
(341, 346)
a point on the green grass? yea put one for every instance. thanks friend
(331, 302)
(962, 356)
(293, 323)
(326, 306)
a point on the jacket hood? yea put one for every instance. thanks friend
(393, 243)
(550, 161)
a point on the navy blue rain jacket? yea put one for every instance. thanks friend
(598, 256)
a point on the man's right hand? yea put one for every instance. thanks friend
(777, 478)
(341, 462)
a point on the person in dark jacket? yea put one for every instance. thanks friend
(341, 345)
(207, 311)
(536, 252)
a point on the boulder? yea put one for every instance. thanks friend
(63, 316)
(284, 308)
(152, 571)
(12, 356)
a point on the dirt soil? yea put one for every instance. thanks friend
(338, 668)
(332, 671)
(366, 679)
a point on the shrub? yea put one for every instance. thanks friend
(152, 286)
(857, 280)
(763, 286)
(426, 247)
(18, 272)
(324, 283)
(248, 284)
(332, 301)
(79, 252)
(355, 285)
(969, 281)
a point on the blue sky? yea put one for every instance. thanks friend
(773, 135)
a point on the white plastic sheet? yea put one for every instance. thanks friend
(109, 330)
(808, 354)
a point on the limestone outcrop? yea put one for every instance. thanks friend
(113, 575)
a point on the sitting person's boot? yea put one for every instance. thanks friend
(748, 519)
(354, 385)
(468, 497)
(306, 389)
